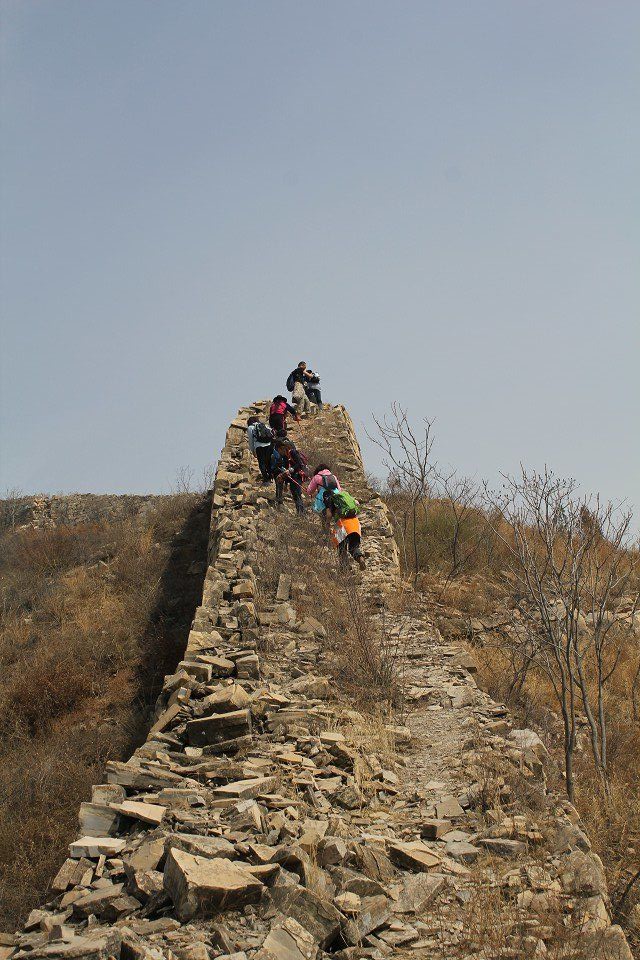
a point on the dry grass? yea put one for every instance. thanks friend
(92, 617)
(485, 592)
(359, 655)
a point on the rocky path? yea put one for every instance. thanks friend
(266, 817)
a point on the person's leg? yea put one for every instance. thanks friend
(342, 553)
(264, 455)
(355, 549)
(296, 492)
(279, 490)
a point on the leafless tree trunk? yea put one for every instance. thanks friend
(408, 458)
(461, 497)
(574, 575)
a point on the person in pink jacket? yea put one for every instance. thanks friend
(321, 482)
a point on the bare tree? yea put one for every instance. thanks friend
(10, 506)
(574, 577)
(408, 459)
(461, 497)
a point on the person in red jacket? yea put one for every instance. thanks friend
(278, 415)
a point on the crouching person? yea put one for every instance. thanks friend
(288, 468)
(260, 438)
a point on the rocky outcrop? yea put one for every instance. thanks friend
(265, 817)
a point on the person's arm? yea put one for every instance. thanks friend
(313, 486)
(251, 439)
(291, 410)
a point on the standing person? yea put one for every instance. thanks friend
(288, 468)
(296, 382)
(260, 438)
(321, 482)
(312, 389)
(278, 415)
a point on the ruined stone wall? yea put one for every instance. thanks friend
(265, 817)
(75, 508)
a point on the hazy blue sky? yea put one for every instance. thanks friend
(434, 202)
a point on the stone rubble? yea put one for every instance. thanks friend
(257, 822)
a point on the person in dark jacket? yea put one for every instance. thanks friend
(288, 468)
(297, 382)
(260, 445)
(278, 415)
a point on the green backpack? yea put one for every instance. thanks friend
(345, 505)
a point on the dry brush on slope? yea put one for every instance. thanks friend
(93, 614)
(549, 587)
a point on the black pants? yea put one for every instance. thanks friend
(350, 544)
(294, 483)
(314, 395)
(278, 423)
(263, 455)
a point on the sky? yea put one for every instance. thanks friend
(431, 202)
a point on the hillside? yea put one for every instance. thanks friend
(324, 776)
(98, 594)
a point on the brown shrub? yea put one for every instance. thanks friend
(85, 640)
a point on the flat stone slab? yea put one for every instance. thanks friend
(151, 813)
(199, 886)
(413, 855)
(246, 789)
(94, 847)
(219, 728)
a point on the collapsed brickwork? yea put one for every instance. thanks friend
(266, 818)
(75, 508)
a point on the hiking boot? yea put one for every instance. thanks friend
(361, 561)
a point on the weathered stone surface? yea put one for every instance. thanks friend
(96, 901)
(289, 940)
(151, 813)
(199, 885)
(219, 727)
(97, 819)
(502, 847)
(212, 847)
(72, 873)
(432, 828)
(374, 912)
(316, 915)
(246, 789)
(584, 875)
(413, 855)
(226, 700)
(97, 944)
(94, 847)
(417, 891)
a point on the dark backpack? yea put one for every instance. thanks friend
(291, 381)
(263, 433)
(329, 482)
(346, 506)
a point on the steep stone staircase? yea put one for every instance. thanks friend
(267, 816)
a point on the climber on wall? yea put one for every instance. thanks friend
(346, 531)
(297, 383)
(260, 438)
(278, 415)
(312, 389)
(288, 468)
(322, 483)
